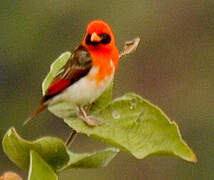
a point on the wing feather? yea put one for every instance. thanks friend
(77, 67)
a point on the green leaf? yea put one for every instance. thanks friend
(54, 152)
(51, 149)
(54, 69)
(92, 160)
(103, 100)
(39, 169)
(137, 126)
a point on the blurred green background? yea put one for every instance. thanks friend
(173, 68)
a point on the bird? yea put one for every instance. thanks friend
(87, 73)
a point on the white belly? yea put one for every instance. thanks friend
(85, 91)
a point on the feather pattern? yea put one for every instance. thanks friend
(77, 67)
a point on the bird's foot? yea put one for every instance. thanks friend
(90, 120)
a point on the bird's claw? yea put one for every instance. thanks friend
(88, 120)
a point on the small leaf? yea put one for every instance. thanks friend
(39, 169)
(51, 149)
(137, 126)
(62, 109)
(54, 152)
(130, 46)
(92, 160)
(54, 69)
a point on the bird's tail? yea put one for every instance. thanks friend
(37, 111)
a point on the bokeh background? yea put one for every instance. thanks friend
(173, 68)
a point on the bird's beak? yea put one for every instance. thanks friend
(95, 37)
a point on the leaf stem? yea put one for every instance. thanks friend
(71, 138)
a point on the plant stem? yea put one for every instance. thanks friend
(71, 138)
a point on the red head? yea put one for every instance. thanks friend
(99, 35)
(100, 41)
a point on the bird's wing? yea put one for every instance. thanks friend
(77, 67)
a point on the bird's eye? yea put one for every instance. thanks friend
(88, 39)
(105, 38)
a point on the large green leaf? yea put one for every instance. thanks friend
(51, 149)
(39, 169)
(130, 122)
(137, 126)
(54, 152)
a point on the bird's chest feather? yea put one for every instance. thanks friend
(87, 89)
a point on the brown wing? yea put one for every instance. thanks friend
(77, 67)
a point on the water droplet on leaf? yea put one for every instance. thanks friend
(115, 114)
(133, 104)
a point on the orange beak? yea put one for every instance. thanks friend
(95, 37)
